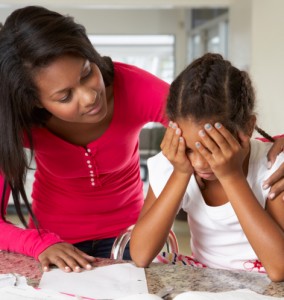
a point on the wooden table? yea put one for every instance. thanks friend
(181, 278)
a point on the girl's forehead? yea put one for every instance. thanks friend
(194, 123)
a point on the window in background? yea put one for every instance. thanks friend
(154, 53)
(209, 32)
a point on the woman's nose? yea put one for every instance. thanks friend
(87, 96)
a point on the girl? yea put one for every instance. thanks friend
(211, 105)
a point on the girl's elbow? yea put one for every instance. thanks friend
(141, 263)
(276, 274)
(276, 278)
(140, 260)
(139, 257)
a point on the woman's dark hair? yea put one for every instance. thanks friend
(32, 38)
(210, 88)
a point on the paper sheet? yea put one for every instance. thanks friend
(15, 287)
(244, 294)
(107, 282)
(29, 293)
(7, 280)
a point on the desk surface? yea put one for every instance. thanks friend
(181, 278)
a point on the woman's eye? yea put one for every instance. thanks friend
(67, 98)
(87, 74)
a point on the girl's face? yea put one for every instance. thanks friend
(190, 130)
(72, 89)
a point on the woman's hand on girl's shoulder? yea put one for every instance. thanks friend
(173, 148)
(276, 181)
(66, 257)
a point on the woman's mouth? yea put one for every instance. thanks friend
(94, 109)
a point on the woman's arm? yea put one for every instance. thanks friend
(45, 246)
(151, 230)
(263, 229)
(15, 239)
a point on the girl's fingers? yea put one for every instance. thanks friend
(166, 142)
(244, 139)
(204, 152)
(181, 147)
(208, 141)
(170, 142)
(221, 136)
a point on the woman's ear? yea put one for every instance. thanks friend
(251, 125)
(38, 105)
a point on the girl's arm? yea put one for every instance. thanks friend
(264, 229)
(157, 216)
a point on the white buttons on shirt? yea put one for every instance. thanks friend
(89, 163)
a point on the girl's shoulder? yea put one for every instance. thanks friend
(160, 169)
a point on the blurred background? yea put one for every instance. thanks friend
(163, 36)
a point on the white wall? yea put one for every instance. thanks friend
(239, 47)
(257, 45)
(267, 62)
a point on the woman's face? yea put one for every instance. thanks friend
(72, 89)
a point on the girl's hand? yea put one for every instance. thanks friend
(173, 147)
(66, 257)
(222, 151)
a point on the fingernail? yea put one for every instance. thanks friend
(88, 267)
(45, 269)
(265, 186)
(207, 126)
(271, 196)
(180, 139)
(269, 164)
(170, 124)
(178, 131)
(218, 125)
(67, 269)
(197, 144)
(77, 269)
(202, 133)
(174, 126)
